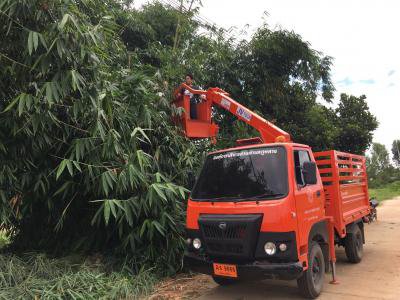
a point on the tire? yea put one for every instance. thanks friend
(312, 281)
(223, 281)
(353, 245)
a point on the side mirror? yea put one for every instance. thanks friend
(309, 171)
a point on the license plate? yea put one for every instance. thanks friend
(225, 270)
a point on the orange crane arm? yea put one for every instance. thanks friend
(269, 133)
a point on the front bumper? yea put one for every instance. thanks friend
(256, 270)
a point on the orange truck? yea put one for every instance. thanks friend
(270, 208)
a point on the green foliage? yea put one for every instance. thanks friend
(91, 157)
(35, 276)
(387, 191)
(379, 160)
(356, 124)
(380, 171)
(281, 60)
(396, 152)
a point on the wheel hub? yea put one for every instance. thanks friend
(316, 270)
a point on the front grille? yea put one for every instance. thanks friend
(230, 235)
(233, 232)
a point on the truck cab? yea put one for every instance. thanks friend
(251, 213)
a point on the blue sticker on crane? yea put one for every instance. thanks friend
(243, 113)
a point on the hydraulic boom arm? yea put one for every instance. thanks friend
(269, 133)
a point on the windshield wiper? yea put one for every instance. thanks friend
(261, 196)
(241, 198)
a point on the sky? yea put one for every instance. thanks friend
(362, 36)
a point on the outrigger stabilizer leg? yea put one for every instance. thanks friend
(332, 253)
(333, 268)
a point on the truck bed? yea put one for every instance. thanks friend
(344, 177)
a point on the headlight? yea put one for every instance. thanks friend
(196, 243)
(270, 248)
(283, 247)
(188, 241)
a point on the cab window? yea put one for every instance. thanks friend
(258, 173)
(300, 156)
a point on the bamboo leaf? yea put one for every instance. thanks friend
(158, 177)
(159, 228)
(75, 83)
(28, 101)
(30, 42)
(104, 183)
(109, 179)
(139, 155)
(76, 24)
(35, 38)
(77, 166)
(141, 131)
(117, 203)
(143, 228)
(63, 21)
(70, 168)
(159, 191)
(112, 207)
(21, 104)
(62, 188)
(61, 168)
(49, 93)
(60, 48)
(43, 41)
(182, 192)
(54, 90)
(11, 105)
(128, 213)
(106, 211)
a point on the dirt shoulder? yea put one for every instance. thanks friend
(376, 277)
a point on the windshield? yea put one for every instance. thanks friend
(250, 174)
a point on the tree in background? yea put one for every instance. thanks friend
(379, 169)
(280, 75)
(396, 152)
(356, 125)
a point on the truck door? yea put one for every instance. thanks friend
(308, 199)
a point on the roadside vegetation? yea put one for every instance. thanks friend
(34, 276)
(91, 161)
(389, 191)
(384, 175)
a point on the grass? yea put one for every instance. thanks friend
(388, 191)
(36, 276)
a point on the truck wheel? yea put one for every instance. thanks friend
(353, 245)
(224, 281)
(311, 282)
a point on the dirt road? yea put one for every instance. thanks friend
(376, 277)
